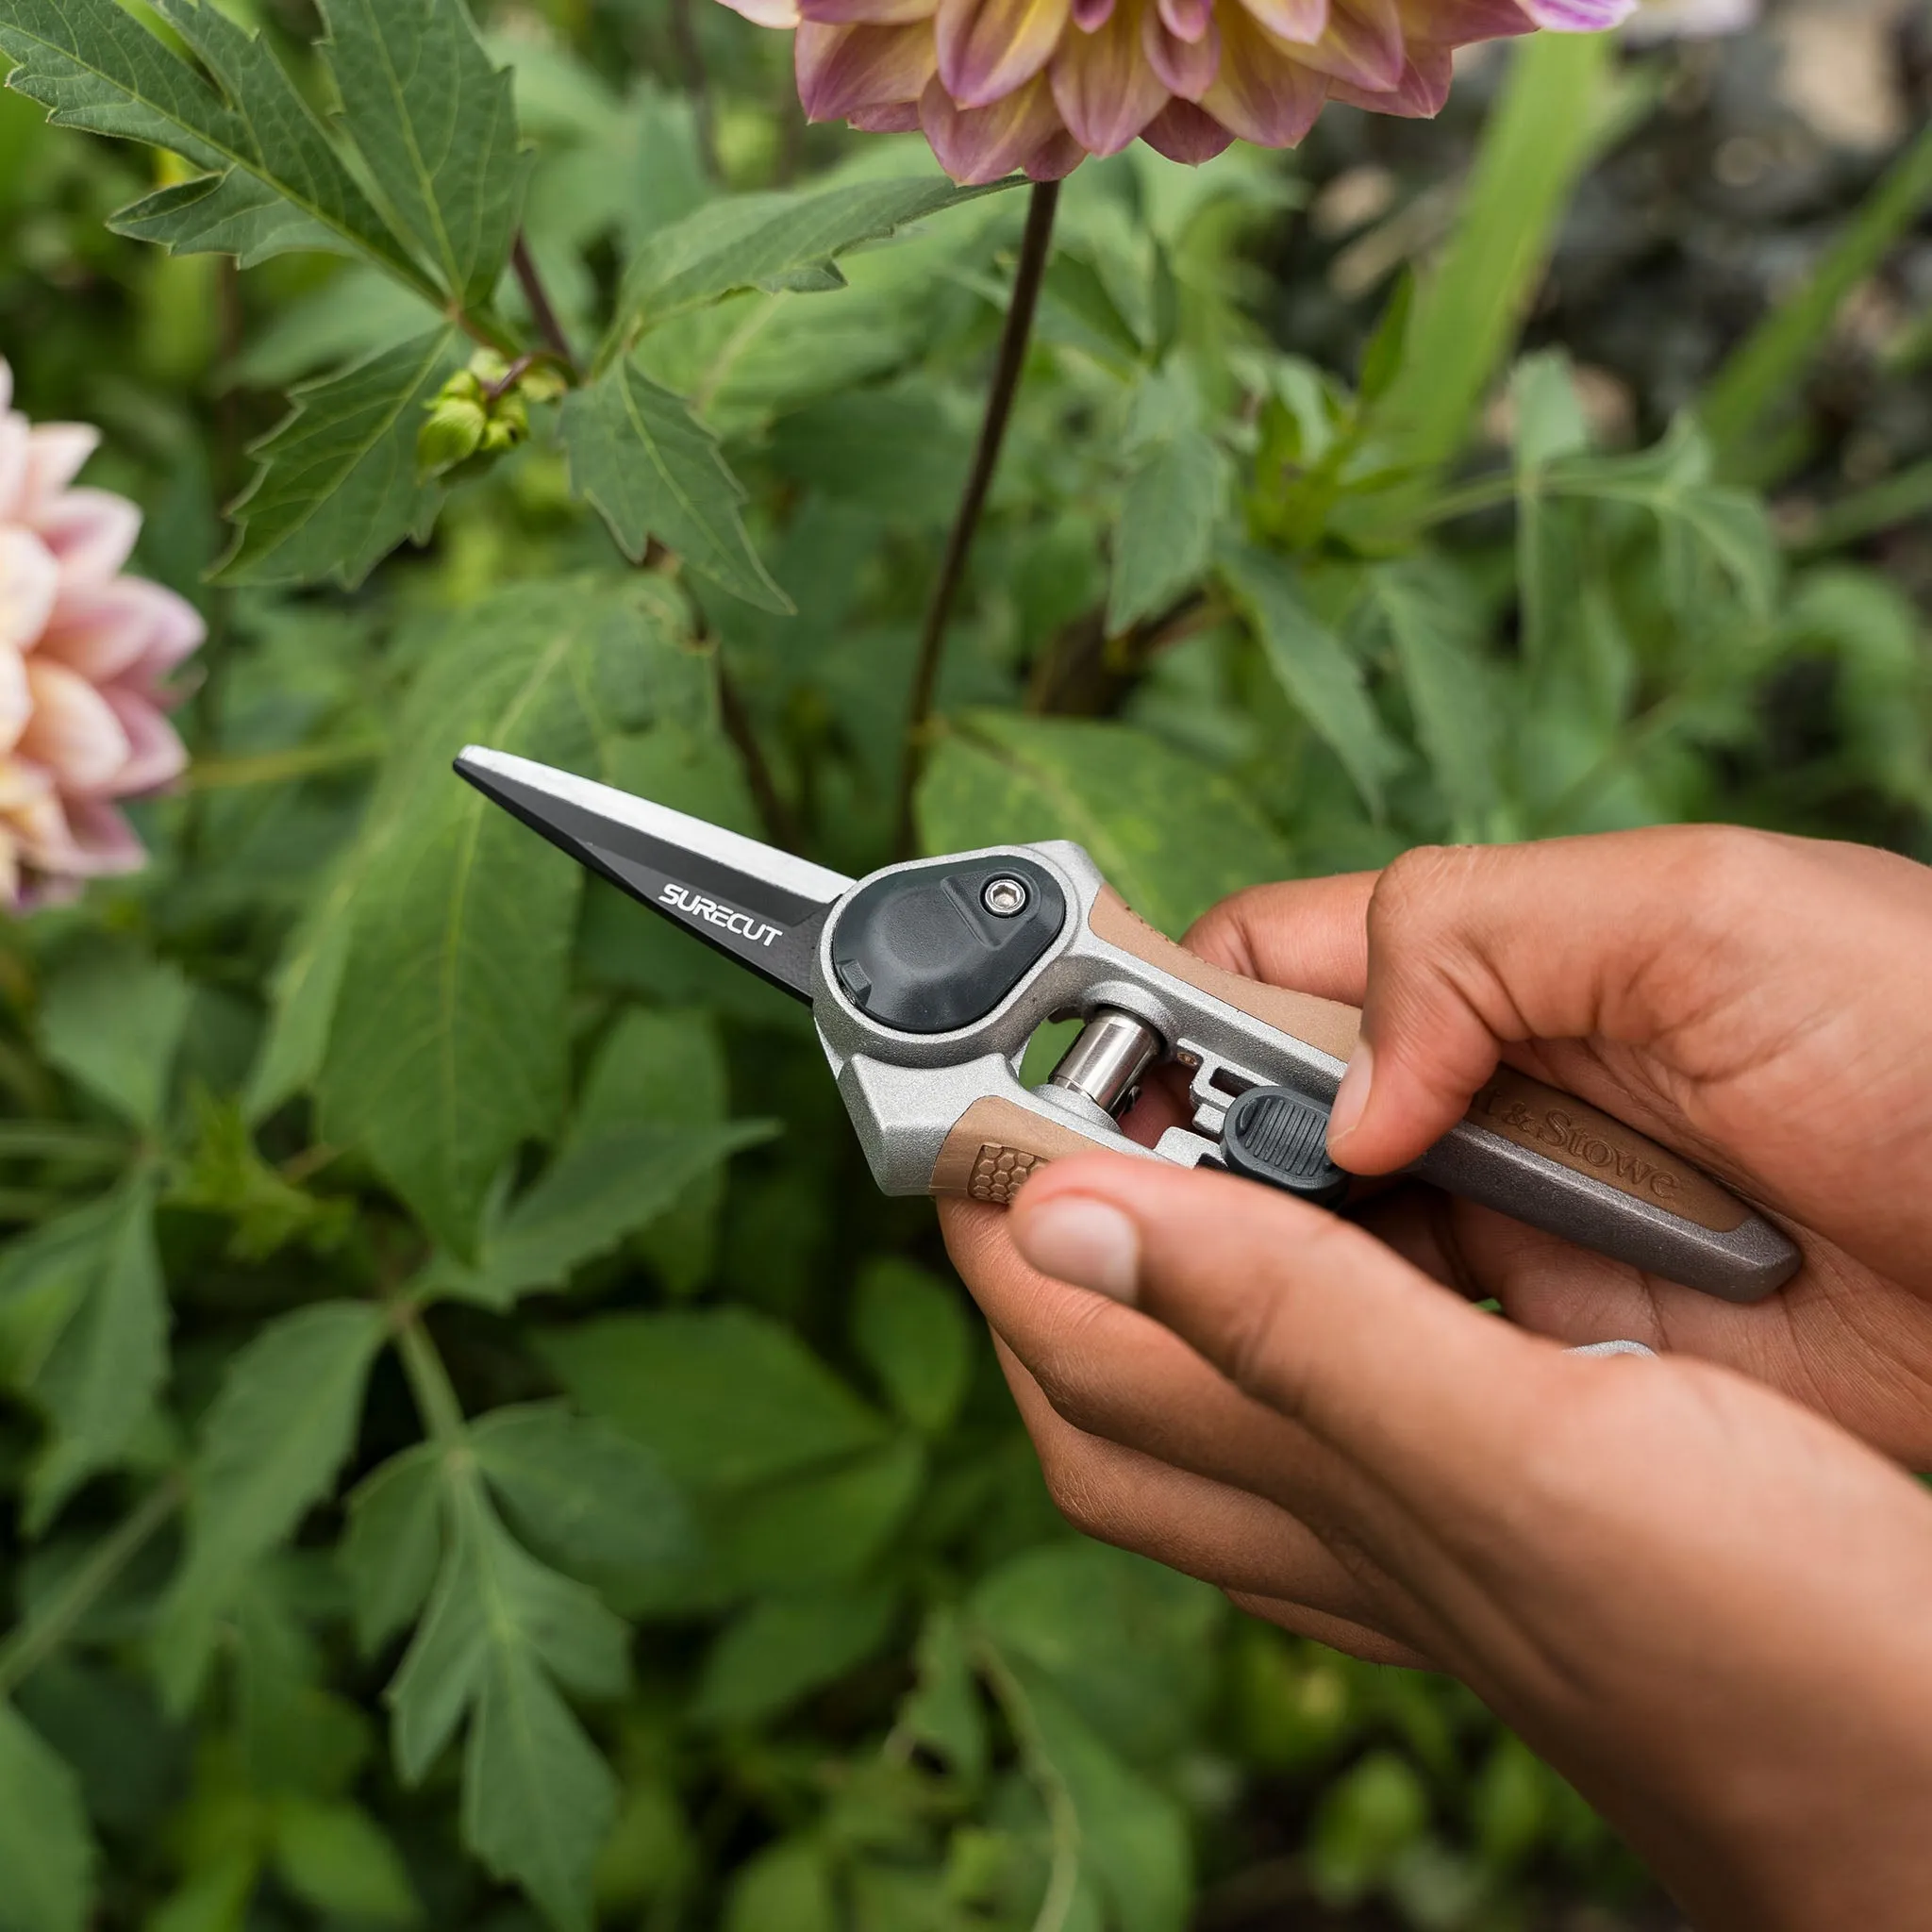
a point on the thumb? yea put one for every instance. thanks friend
(1472, 948)
(1418, 1392)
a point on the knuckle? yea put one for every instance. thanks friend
(1081, 1493)
(1418, 889)
(1252, 1355)
(1066, 1365)
(1262, 1349)
(1718, 864)
(1221, 932)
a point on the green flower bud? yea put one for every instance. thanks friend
(542, 385)
(488, 367)
(454, 432)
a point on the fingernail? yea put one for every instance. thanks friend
(1352, 1096)
(1083, 1241)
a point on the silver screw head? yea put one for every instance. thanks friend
(1005, 896)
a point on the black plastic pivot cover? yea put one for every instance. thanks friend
(1275, 1135)
(925, 952)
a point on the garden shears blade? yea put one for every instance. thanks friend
(928, 980)
(762, 906)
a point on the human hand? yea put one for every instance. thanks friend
(1701, 1602)
(1756, 1001)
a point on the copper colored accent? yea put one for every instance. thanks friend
(1018, 1141)
(1587, 1140)
(1325, 1024)
(999, 1172)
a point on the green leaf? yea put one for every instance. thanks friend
(1448, 685)
(437, 127)
(337, 489)
(1314, 668)
(943, 1711)
(47, 1850)
(393, 1544)
(1554, 113)
(537, 1800)
(1172, 834)
(1696, 516)
(276, 182)
(756, 356)
(1165, 536)
(303, 1000)
(780, 1650)
(214, 1896)
(1383, 356)
(899, 451)
(1883, 689)
(1366, 1822)
(1549, 423)
(595, 1193)
(114, 1021)
(785, 1888)
(1128, 1643)
(97, 1382)
(294, 1734)
(650, 469)
(913, 1332)
(726, 1398)
(492, 1596)
(447, 1047)
(282, 1425)
(335, 1858)
(665, 1068)
(585, 1497)
(820, 1527)
(102, 1718)
(1130, 1839)
(774, 241)
(1762, 373)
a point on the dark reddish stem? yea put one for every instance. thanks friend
(993, 430)
(542, 311)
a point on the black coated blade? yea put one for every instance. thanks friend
(762, 906)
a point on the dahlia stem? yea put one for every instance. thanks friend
(543, 310)
(993, 430)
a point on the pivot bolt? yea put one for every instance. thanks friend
(1105, 1065)
(1005, 896)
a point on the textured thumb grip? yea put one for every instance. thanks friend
(995, 1144)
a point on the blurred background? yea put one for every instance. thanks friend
(1582, 437)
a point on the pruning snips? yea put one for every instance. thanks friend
(928, 980)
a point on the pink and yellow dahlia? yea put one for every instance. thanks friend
(83, 651)
(1039, 85)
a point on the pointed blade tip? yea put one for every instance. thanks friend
(474, 758)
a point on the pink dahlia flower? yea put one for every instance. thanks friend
(1040, 84)
(83, 651)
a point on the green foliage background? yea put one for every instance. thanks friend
(477, 1451)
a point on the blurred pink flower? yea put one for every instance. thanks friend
(1040, 84)
(83, 651)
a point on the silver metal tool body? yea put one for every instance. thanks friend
(906, 1093)
(929, 980)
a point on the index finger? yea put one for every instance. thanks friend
(1308, 933)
